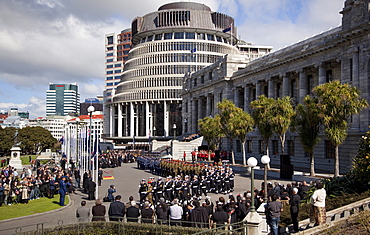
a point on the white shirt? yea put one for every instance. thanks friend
(318, 197)
(176, 212)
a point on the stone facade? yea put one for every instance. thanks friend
(342, 53)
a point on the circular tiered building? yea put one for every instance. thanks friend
(179, 38)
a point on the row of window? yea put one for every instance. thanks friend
(160, 70)
(150, 95)
(152, 82)
(184, 35)
(180, 46)
(111, 78)
(172, 58)
(116, 65)
(111, 83)
(115, 71)
(125, 46)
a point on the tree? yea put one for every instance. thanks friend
(361, 162)
(337, 103)
(210, 128)
(6, 139)
(282, 114)
(307, 124)
(226, 111)
(35, 139)
(240, 124)
(262, 113)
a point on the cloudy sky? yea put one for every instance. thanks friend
(62, 41)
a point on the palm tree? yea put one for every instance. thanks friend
(337, 103)
(307, 124)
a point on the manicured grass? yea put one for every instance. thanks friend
(25, 159)
(33, 207)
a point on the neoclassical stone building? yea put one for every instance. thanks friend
(342, 53)
(179, 38)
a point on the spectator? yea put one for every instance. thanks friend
(273, 210)
(220, 217)
(133, 212)
(83, 213)
(117, 210)
(98, 211)
(318, 204)
(294, 208)
(176, 213)
(147, 213)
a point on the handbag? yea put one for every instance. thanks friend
(105, 199)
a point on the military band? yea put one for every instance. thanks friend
(183, 180)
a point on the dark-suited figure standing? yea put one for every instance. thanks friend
(294, 208)
(91, 188)
(117, 210)
(98, 211)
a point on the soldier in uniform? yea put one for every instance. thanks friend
(150, 190)
(159, 189)
(143, 190)
(185, 191)
(226, 180)
(195, 187)
(218, 183)
(177, 187)
(168, 189)
(203, 186)
(232, 178)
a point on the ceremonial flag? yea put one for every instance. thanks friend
(227, 29)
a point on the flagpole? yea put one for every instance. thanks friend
(96, 167)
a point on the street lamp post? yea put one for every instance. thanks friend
(252, 162)
(90, 110)
(265, 159)
(253, 219)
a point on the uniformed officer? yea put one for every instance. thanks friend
(203, 186)
(143, 190)
(159, 189)
(168, 189)
(195, 187)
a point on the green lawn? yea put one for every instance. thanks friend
(33, 207)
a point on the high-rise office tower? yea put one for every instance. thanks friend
(62, 99)
(179, 38)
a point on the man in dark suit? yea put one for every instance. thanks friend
(91, 186)
(117, 210)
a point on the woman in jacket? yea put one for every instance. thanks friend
(98, 211)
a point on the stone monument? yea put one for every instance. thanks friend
(15, 153)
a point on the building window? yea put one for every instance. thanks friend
(109, 72)
(110, 40)
(117, 65)
(189, 35)
(109, 66)
(210, 37)
(109, 54)
(109, 60)
(179, 35)
(261, 147)
(291, 150)
(167, 36)
(238, 146)
(249, 146)
(158, 37)
(275, 147)
(329, 150)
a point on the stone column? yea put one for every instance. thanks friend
(236, 96)
(132, 119)
(148, 117)
(285, 85)
(194, 115)
(258, 89)
(302, 85)
(111, 115)
(246, 98)
(355, 68)
(112, 120)
(119, 120)
(271, 88)
(208, 108)
(322, 74)
(165, 121)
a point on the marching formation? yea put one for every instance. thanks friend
(182, 180)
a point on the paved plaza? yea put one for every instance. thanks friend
(126, 179)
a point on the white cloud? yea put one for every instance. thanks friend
(35, 107)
